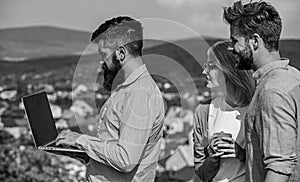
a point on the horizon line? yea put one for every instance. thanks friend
(86, 31)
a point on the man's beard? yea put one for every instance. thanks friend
(111, 73)
(245, 59)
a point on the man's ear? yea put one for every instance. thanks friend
(121, 53)
(256, 41)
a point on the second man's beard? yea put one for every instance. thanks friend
(111, 73)
(245, 59)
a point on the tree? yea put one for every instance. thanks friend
(19, 162)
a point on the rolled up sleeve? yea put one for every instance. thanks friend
(205, 168)
(136, 123)
(279, 131)
(199, 144)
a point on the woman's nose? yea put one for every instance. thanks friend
(204, 72)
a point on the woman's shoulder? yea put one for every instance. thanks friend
(201, 118)
(203, 105)
(203, 108)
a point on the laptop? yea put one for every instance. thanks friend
(43, 127)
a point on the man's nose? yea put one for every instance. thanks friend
(232, 50)
(100, 69)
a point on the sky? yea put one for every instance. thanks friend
(201, 16)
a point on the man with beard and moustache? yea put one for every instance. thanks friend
(110, 74)
(131, 120)
(273, 117)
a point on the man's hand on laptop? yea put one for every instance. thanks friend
(67, 138)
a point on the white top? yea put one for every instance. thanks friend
(224, 118)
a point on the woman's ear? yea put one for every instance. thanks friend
(121, 53)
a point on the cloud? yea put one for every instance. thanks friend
(209, 24)
(177, 3)
(204, 16)
(208, 20)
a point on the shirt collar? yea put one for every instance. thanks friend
(135, 75)
(259, 74)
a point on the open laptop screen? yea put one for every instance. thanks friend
(40, 118)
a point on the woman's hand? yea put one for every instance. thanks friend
(226, 146)
(212, 149)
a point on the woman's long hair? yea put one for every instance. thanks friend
(239, 83)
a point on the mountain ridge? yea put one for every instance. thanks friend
(39, 42)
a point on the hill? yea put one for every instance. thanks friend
(51, 49)
(28, 43)
(32, 43)
(290, 49)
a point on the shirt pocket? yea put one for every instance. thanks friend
(115, 109)
(112, 119)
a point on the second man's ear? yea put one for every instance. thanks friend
(121, 53)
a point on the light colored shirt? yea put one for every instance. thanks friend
(209, 118)
(224, 118)
(129, 133)
(272, 132)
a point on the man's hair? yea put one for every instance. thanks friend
(256, 17)
(118, 31)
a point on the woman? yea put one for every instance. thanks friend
(221, 157)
